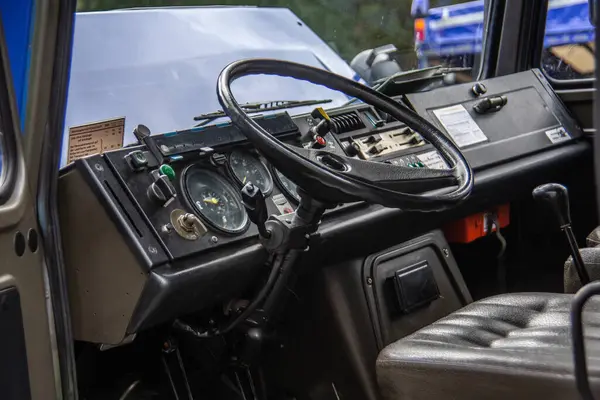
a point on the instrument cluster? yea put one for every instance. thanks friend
(187, 184)
(214, 194)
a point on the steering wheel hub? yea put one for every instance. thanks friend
(334, 162)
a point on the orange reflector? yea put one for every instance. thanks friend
(420, 24)
(419, 30)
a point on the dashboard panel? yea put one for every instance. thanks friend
(531, 119)
(158, 229)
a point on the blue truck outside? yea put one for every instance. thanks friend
(452, 32)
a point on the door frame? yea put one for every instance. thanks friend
(27, 318)
(48, 79)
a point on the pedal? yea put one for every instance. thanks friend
(173, 365)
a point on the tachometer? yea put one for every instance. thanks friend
(288, 187)
(247, 167)
(215, 200)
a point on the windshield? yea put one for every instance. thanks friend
(158, 65)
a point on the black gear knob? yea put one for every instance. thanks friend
(556, 198)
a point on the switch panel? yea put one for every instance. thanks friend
(381, 144)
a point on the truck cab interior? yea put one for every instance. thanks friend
(420, 236)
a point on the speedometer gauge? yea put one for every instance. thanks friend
(247, 167)
(215, 200)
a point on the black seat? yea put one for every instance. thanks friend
(514, 346)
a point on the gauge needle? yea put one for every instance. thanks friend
(211, 200)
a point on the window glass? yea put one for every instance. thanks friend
(158, 65)
(568, 41)
(450, 32)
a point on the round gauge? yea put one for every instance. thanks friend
(215, 200)
(247, 167)
(289, 188)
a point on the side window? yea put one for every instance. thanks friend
(8, 146)
(569, 41)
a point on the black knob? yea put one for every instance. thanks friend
(556, 197)
(254, 202)
(141, 132)
(479, 89)
(490, 104)
(161, 190)
(350, 149)
(374, 139)
(137, 160)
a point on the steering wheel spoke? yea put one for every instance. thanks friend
(332, 177)
(394, 177)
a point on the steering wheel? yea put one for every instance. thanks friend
(335, 178)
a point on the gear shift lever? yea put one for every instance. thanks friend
(254, 202)
(556, 197)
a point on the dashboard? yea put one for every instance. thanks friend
(159, 229)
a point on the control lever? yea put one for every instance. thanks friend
(144, 136)
(556, 197)
(254, 202)
(322, 128)
(490, 104)
(173, 366)
(161, 190)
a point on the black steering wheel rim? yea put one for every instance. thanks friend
(303, 166)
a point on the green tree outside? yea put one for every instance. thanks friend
(348, 26)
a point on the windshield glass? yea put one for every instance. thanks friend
(158, 65)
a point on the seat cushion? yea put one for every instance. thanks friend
(591, 261)
(593, 239)
(514, 346)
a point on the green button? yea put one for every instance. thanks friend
(167, 170)
(421, 165)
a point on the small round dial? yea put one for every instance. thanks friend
(288, 187)
(247, 167)
(215, 200)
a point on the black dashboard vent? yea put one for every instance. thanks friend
(346, 122)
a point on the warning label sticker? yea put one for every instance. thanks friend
(95, 138)
(433, 160)
(460, 125)
(558, 135)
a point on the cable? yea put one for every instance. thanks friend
(500, 237)
(128, 391)
(282, 281)
(278, 265)
(502, 267)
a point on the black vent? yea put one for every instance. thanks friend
(346, 122)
